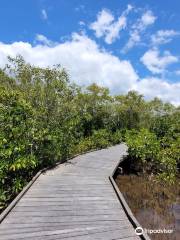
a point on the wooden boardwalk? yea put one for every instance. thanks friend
(74, 201)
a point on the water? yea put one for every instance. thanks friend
(154, 205)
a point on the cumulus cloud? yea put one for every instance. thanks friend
(43, 40)
(83, 59)
(137, 28)
(163, 36)
(147, 19)
(44, 14)
(104, 20)
(106, 26)
(151, 87)
(86, 63)
(156, 63)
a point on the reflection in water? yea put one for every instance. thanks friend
(154, 205)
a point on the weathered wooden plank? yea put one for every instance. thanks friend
(75, 234)
(69, 192)
(61, 229)
(30, 219)
(33, 226)
(92, 207)
(60, 213)
(101, 194)
(74, 203)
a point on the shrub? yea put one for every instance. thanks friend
(161, 125)
(116, 137)
(100, 138)
(143, 148)
(148, 155)
(83, 146)
(16, 143)
(167, 164)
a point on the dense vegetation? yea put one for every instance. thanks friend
(44, 119)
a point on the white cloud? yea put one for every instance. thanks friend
(106, 26)
(177, 72)
(147, 19)
(114, 30)
(83, 59)
(155, 87)
(128, 9)
(82, 23)
(134, 39)
(138, 27)
(87, 63)
(104, 20)
(44, 14)
(163, 36)
(156, 63)
(43, 40)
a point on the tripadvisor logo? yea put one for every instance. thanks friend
(139, 231)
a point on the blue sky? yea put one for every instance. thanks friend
(123, 45)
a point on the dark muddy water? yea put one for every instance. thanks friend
(154, 205)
